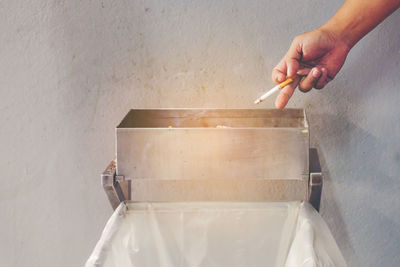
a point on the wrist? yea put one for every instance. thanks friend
(340, 33)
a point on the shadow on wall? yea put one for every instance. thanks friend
(330, 209)
(359, 190)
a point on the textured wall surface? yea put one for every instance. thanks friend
(70, 70)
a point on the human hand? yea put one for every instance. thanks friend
(313, 59)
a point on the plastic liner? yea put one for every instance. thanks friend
(233, 234)
(313, 243)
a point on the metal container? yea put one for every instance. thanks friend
(214, 154)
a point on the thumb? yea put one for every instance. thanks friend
(293, 57)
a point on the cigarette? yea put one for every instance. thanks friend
(273, 90)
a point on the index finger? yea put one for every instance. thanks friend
(286, 93)
(279, 72)
(293, 57)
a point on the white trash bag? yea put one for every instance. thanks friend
(216, 234)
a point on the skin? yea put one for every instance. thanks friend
(315, 58)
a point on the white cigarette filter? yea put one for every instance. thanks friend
(273, 90)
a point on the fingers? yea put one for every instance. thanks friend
(292, 67)
(289, 64)
(316, 77)
(293, 57)
(278, 76)
(285, 94)
(323, 80)
(304, 72)
(279, 72)
(309, 81)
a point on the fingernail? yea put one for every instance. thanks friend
(315, 73)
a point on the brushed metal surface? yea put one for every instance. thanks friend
(218, 190)
(214, 154)
(210, 118)
(259, 144)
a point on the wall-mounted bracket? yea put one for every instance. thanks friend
(118, 189)
(315, 181)
(115, 186)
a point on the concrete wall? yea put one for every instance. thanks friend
(70, 70)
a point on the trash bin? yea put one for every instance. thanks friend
(214, 187)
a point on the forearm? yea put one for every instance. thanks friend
(358, 17)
